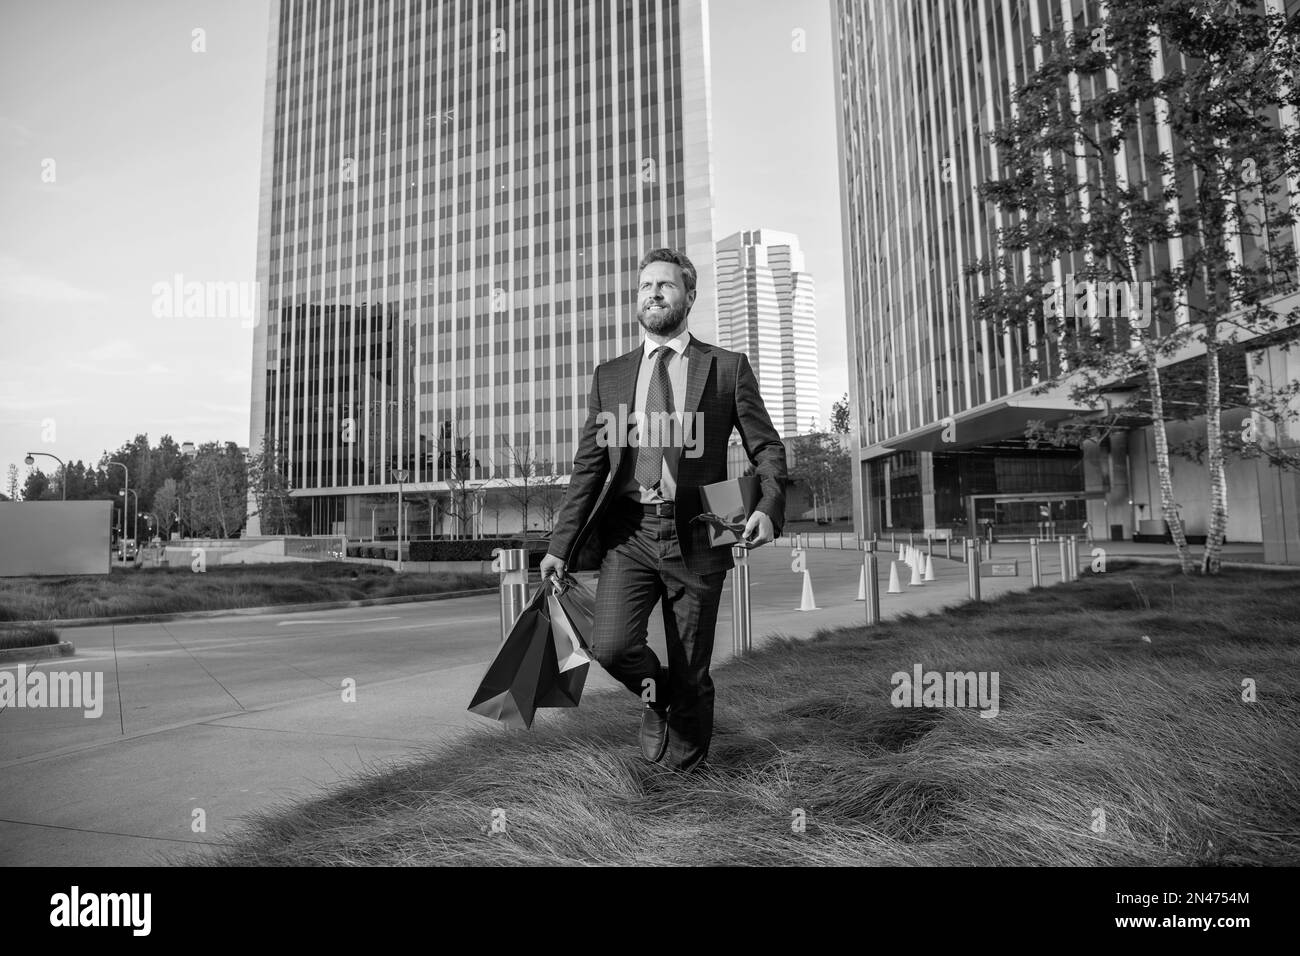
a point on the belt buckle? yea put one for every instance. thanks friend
(663, 509)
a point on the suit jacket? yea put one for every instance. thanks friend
(721, 386)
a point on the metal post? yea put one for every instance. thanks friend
(988, 548)
(929, 546)
(870, 571)
(1074, 558)
(911, 543)
(947, 542)
(1065, 560)
(893, 546)
(1035, 564)
(514, 586)
(741, 638)
(973, 569)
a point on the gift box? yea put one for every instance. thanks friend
(727, 506)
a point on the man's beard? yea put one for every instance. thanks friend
(667, 322)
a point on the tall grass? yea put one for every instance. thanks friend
(1096, 724)
(127, 591)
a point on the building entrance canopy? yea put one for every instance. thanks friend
(999, 421)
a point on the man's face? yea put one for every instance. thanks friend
(663, 302)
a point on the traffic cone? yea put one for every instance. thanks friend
(906, 556)
(929, 568)
(862, 583)
(916, 577)
(894, 586)
(807, 604)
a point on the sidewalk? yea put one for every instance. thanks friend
(217, 718)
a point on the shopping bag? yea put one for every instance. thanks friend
(570, 610)
(523, 670)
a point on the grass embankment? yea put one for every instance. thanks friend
(12, 636)
(1092, 718)
(127, 591)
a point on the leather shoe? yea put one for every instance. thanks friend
(654, 732)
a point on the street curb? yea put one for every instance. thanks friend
(1231, 565)
(39, 653)
(273, 609)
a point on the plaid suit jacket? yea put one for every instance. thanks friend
(721, 386)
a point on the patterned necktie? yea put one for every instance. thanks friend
(658, 407)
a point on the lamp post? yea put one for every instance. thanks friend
(400, 475)
(127, 484)
(44, 454)
(125, 501)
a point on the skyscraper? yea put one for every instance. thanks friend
(767, 308)
(942, 399)
(455, 197)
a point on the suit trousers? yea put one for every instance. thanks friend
(643, 566)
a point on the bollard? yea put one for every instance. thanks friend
(973, 569)
(988, 549)
(893, 546)
(870, 570)
(910, 542)
(741, 638)
(1073, 552)
(1035, 564)
(513, 565)
(1065, 561)
(947, 542)
(929, 546)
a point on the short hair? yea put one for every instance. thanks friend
(676, 258)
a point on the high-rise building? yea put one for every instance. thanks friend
(941, 400)
(455, 197)
(767, 308)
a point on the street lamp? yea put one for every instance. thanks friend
(44, 454)
(400, 475)
(126, 484)
(126, 501)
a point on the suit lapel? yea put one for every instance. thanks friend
(699, 361)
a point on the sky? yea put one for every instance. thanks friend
(127, 158)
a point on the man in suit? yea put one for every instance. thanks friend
(637, 528)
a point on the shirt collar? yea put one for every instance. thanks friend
(677, 343)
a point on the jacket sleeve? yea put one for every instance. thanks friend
(762, 444)
(590, 468)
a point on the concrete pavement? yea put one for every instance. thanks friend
(208, 720)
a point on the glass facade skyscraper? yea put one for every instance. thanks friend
(941, 399)
(455, 197)
(767, 308)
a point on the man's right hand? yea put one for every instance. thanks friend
(552, 565)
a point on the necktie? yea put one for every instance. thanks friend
(658, 408)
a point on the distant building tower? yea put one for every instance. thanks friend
(767, 309)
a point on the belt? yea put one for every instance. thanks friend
(660, 509)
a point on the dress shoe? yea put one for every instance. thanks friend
(654, 732)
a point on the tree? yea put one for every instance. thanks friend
(522, 475)
(268, 477)
(216, 491)
(821, 468)
(166, 503)
(840, 419)
(459, 469)
(1069, 198)
(11, 482)
(38, 483)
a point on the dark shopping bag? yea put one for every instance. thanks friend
(727, 506)
(541, 663)
(571, 619)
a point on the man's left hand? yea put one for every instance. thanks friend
(758, 530)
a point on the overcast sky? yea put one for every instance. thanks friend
(154, 152)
